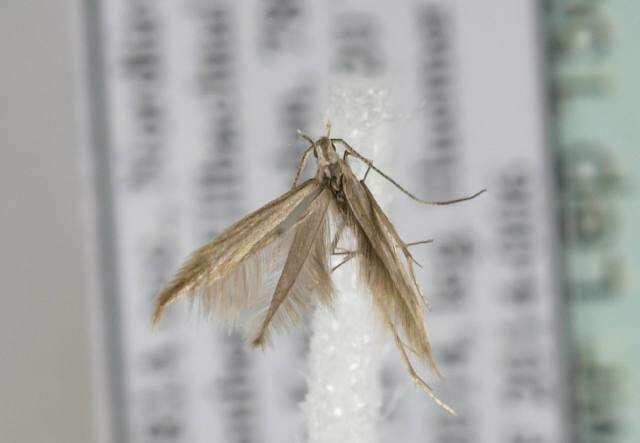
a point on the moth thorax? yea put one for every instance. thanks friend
(325, 151)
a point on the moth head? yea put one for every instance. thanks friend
(325, 151)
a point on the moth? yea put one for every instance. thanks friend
(275, 263)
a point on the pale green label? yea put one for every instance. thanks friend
(595, 75)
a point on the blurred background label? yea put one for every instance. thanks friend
(195, 106)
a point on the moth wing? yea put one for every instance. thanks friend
(408, 257)
(306, 277)
(387, 276)
(228, 274)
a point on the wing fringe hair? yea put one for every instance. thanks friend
(275, 264)
(236, 272)
(389, 278)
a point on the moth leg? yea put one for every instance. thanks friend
(336, 250)
(303, 161)
(412, 372)
(405, 249)
(415, 243)
(336, 238)
(365, 174)
(421, 242)
(370, 164)
(408, 245)
(351, 254)
(346, 154)
(411, 260)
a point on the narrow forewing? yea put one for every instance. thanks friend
(305, 278)
(232, 271)
(388, 277)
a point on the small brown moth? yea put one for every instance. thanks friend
(275, 262)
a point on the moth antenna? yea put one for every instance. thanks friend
(303, 161)
(305, 136)
(370, 164)
(328, 128)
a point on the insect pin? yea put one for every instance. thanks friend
(275, 263)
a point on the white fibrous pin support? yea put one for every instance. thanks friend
(343, 401)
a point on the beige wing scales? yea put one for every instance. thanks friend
(389, 277)
(234, 275)
(305, 277)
